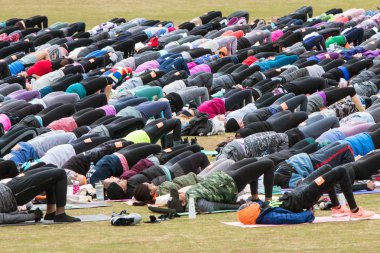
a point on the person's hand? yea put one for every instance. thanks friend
(182, 198)
(371, 186)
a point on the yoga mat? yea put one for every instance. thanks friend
(221, 211)
(209, 152)
(84, 218)
(42, 207)
(376, 191)
(118, 200)
(324, 219)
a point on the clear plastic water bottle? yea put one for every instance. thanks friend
(76, 187)
(192, 213)
(342, 199)
(99, 191)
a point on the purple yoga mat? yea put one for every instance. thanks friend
(376, 191)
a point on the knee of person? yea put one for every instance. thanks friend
(302, 115)
(339, 172)
(60, 173)
(334, 121)
(267, 162)
(352, 91)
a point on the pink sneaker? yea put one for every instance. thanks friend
(340, 212)
(362, 214)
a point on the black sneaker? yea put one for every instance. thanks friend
(38, 214)
(174, 202)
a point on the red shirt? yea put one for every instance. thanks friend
(40, 68)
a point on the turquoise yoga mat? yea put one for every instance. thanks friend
(209, 152)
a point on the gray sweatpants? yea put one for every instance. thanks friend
(193, 93)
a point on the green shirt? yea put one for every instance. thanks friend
(339, 40)
(178, 183)
(217, 187)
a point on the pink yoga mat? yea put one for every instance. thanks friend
(323, 219)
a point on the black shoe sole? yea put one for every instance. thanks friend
(123, 222)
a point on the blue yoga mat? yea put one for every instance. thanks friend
(209, 152)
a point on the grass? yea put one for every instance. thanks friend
(94, 12)
(206, 233)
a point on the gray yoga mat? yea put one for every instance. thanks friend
(42, 207)
(84, 218)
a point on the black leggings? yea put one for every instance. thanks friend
(355, 36)
(95, 84)
(136, 152)
(63, 83)
(267, 99)
(155, 132)
(243, 74)
(93, 63)
(94, 100)
(305, 85)
(31, 109)
(248, 171)
(236, 99)
(13, 106)
(55, 112)
(72, 69)
(287, 121)
(39, 21)
(293, 102)
(89, 117)
(216, 65)
(172, 152)
(107, 120)
(374, 110)
(8, 169)
(193, 163)
(353, 68)
(289, 38)
(20, 46)
(335, 94)
(278, 124)
(229, 68)
(266, 85)
(121, 127)
(316, 184)
(88, 142)
(51, 180)
(4, 70)
(71, 45)
(367, 166)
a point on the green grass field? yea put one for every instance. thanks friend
(206, 233)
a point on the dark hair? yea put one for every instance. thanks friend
(66, 61)
(142, 193)
(232, 125)
(114, 191)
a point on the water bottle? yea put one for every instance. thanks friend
(342, 199)
(99, 191)
(75, 187)
(192, 213)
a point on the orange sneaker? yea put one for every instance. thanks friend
(362, 214)
(340, 212)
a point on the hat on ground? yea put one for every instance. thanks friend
(248, 214)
